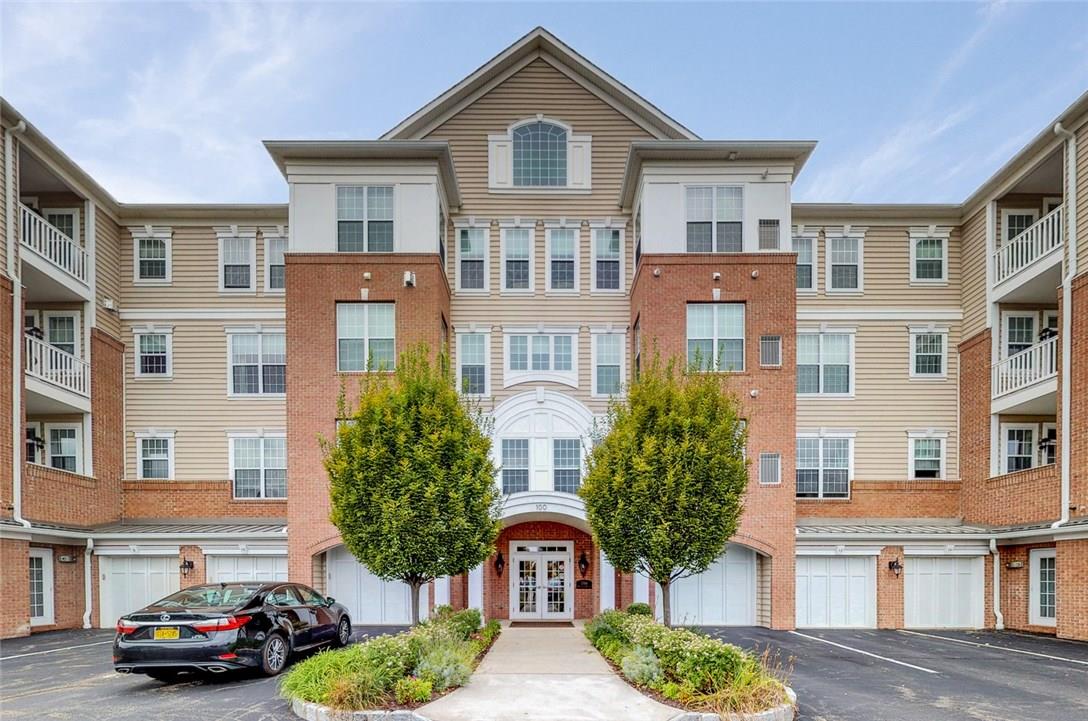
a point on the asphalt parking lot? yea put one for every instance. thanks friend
(838, 675)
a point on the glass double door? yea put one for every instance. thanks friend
(541, 586)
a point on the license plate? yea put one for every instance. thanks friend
(167, 633)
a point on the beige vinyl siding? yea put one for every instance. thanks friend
(887, 402)
(974, 273)
(4, 203)
(193, 403)
(107, 270)
(1082, 199)
(886, 274)
(194, 273)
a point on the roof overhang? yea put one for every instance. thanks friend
(922, 213)
(437, 151)
(795, 152)
(171, 213)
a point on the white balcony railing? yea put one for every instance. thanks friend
(1029, 366)
(52, 244)
(1026, 248)
(53, 365)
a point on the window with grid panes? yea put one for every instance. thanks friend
(61, 332)
(517, 249)
(237, 260)
(154, 458)
(519, 353)
(843, 256)
(929, 259)
(64, 222)
(561, 258)
(364, 218)
(365, 336)
(715, 217)
(715, 335)
(805, 264)
(566, 464)
(823, 467)
(769, 234)
(260, 467)
(609, 357)
(1019, 449)
(153, 354)
(1047, 587)
(770, 350)
(276, 247)
(769, 469)
(473, 363)
(515, 465)
(540, 155)
(928, 354)
(37, 587)
(1020, 333)
(258, 363)
(152, 260)
(606, 258)
(1017, 223)
(63, 449)
(927, 457)
(473, 249)
(823, 363)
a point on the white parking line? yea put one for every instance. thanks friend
(996, 648)
(54, 650)
(866, 653)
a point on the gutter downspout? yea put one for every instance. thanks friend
(1067, 312)
(87, 583)
(999, 618)
(16, 333)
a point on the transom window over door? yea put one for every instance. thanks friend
(540, 154)
(715, 219)
(716, 336)
(364, 218)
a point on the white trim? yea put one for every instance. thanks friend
(235, 232)
(1003, 444)
(261, 332)
(487, 360)
(77, 329)
(513, 377)
(1043, 428)
(715, 361)
(137, 333)
(163, 233)
(155, 434)
(832, 330)
(1034, 556)
(913, 333)
(278, 232)
(1051, 203)
(366, 334)
(172, 314)
(579, 157)
(812, 235)
(595, 334)
(471, 224)
(822, 434)
(1003, 341)
(947, 549)
(778, 467)
(260, 433)
(840, 550)
(541, 600)
(606, 226)
(928, 434)
(504, 227)
(849, 233)
(1005, 213)
(549, 227)
(365, 220)
(137, 550)
(48, 589)
(929, 233)
(888, 314)
(76, 214)
(78, 428)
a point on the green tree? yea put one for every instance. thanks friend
(411, 479)
(665, 483)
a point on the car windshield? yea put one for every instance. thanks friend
(224, 594)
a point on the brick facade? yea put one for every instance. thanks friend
(1015, 588)
(1072, 583)
(1078, 445)
(7, 301)
(14, 588)
(889, 589)
(888, 499)
(193, 499)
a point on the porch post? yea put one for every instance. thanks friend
(608, 583)
(476, 589)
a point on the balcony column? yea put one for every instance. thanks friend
(608, 583)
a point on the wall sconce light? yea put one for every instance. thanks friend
(500, 563)
(895, 567)
(185, 566)
(583, 565)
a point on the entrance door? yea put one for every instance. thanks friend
(540, 584)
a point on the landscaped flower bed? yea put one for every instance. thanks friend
(401, 671)
(678, 665)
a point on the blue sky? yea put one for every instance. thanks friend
(168, 102)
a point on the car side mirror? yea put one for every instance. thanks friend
(329, 600)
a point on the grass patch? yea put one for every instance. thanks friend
(401, 671)
(689, 669)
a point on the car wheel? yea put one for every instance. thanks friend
(164, 676)
(343, 632)
(274, 654)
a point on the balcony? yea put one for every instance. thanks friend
(1028, 381)
(57, 265)
(1028, 267)
(56, 381)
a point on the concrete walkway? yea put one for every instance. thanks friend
(545, 674)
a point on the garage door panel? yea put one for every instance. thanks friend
(129, 583)
(723, 595)
(943, 592)
(836, 591)
(225, 569)
(369, 599)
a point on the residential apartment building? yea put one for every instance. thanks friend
(913, 377)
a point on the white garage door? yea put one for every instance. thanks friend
(369, 599)
(723, 595)
(128, 583)
(836, 591)
(246, 568)
(943, 592)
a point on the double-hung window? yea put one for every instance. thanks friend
(805, 246)
(66, 221)
(607, 261)
(259, 465)
(562, 259)
(258, 363)
(472, 259)
(151, 255)
(364, 218)
(715, 334)
(153, 353)
(715, 218)
(515, 465)
(926, 459)
(275, 268)
(155, 455)
(566, 464)
(365, 336)
(1019, 332)
(1048, 445)
(64, 446)
(823, 467)
(825, 364)
(927, 353)
(61, 331)
(607, 363)
(1016, 222)
(472, 352)
(237, 262)
(928, 257)
(1018, 443)
(517, 259)
(844, 264)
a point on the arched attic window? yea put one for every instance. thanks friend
(540, 154)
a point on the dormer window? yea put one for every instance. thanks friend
(539, 155)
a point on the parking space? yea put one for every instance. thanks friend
(70, 675)
(871, 675)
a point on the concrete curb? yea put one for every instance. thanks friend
(785, 712)
(317, 712)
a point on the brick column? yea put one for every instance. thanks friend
(889, 589)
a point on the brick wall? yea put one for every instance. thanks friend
(68, 588)
(1078, 440)
(889, 589)
(193, 499)
(1072, 569)
(6, 400)
(14, 588)
(888, 499)
(198, 575)
(315, 283)
(1015, 588)
(659, 305)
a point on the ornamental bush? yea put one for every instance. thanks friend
(638, 608)
(641, 667)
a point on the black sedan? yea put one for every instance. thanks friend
(227, 626)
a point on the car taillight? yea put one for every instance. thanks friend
(228, 623)
(125, 627)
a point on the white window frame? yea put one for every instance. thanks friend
(595, 335)
(78, 428)
(148, 232)
(77, 320)
(1043, 428)
(366, 337)
(36, 426)
(714, 215)
(365, 220)
(514, 377)
(234, 435)
(48, 617)
(549, 227)
(716, 360)
(850, 233)
(261, 332)
(277, 233)
(137, 333)
(1005, 213)
(504, 227)
(823, 434)
(155, 434)
(1003, 445)
(929, 233)
(73, 212)
(1003, 349)
(500, 162)
(913, 333)
(1034, 566)
(777, 336)
(460, 334)
(777, 459)
(813, 238)
(832, 330)
(479, 224)
(235, 232)
(928, 434)
(606, 226)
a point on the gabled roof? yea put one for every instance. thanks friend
(539, 43)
